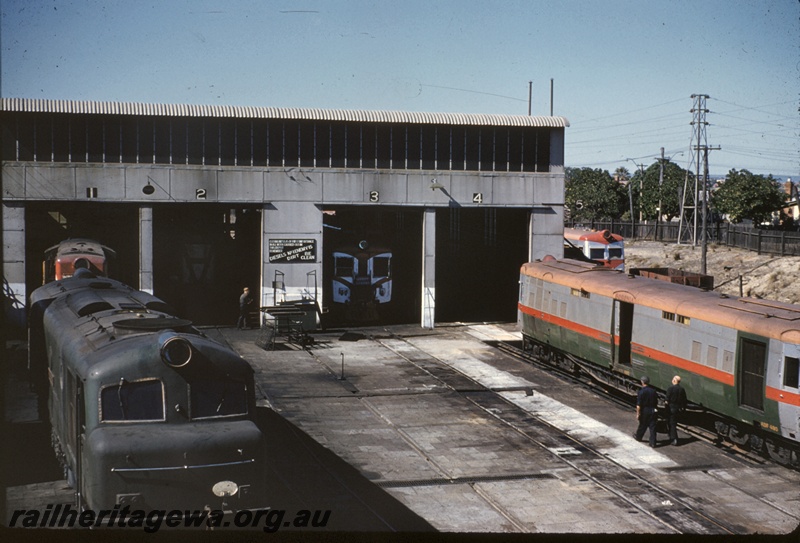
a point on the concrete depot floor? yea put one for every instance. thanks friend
(406, 417)
(412, 440)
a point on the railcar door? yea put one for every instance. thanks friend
(623, 331)
(752, 370)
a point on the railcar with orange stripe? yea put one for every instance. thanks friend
(739, 358)
(66, 257)
(602, 247)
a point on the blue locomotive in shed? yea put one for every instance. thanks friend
(362, 280)
(145, 409)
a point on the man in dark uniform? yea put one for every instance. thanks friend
(676, 403)
(244, 306)
(646, 403)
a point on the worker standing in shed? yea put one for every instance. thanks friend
(245, 300)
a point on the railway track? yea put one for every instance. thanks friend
(697, 432)
(630, 488)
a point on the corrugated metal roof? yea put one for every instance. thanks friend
(356, 115)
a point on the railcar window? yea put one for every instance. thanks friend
(712, 356)
(579, 292)
(344, 266)
(667, 315)
(217, 399)
(380, 267)
(132, 401)
(791, 372)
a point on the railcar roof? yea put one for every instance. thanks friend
(80, 245)
(767, 318)
(599, 236)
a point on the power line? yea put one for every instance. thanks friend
(633, 111)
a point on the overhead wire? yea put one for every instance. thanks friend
(609, 136)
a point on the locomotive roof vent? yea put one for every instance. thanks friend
(142, 323)
(176, 351)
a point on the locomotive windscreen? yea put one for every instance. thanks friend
(380, 266)
(217, 398)
(132, 400)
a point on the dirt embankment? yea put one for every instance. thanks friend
(763, 276)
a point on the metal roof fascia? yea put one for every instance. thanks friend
(190, 110)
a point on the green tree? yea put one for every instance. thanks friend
(744, 195)
(622, 174)
(593, 194)
(667, 195)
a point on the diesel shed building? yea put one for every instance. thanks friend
(199, 201)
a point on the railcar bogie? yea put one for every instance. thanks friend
(738, 357)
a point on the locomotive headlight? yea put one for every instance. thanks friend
(176, 351)
(223, 489)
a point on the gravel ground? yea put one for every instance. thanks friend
(763, 276)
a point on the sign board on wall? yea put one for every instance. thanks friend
(292, 250)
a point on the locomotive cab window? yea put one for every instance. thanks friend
(344, 266)
(217, 398)
(791, 372)
(132, 401)
(380, 266)
(597, 254)
(614, 252)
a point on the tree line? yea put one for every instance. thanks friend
(595, 194)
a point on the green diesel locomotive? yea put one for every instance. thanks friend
(146, 410)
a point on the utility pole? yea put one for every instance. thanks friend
(661, 162)
(660, 183)
(530, 92)
(704, 252)
(689, 213)
(641, 186)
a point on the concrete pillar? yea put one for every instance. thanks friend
(428, 267)
(296, 226)
(146, 248)
(546, 232)
(14, 291)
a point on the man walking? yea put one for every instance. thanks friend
(646, 403)
(676, 403)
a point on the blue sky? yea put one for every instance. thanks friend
(623, 70)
